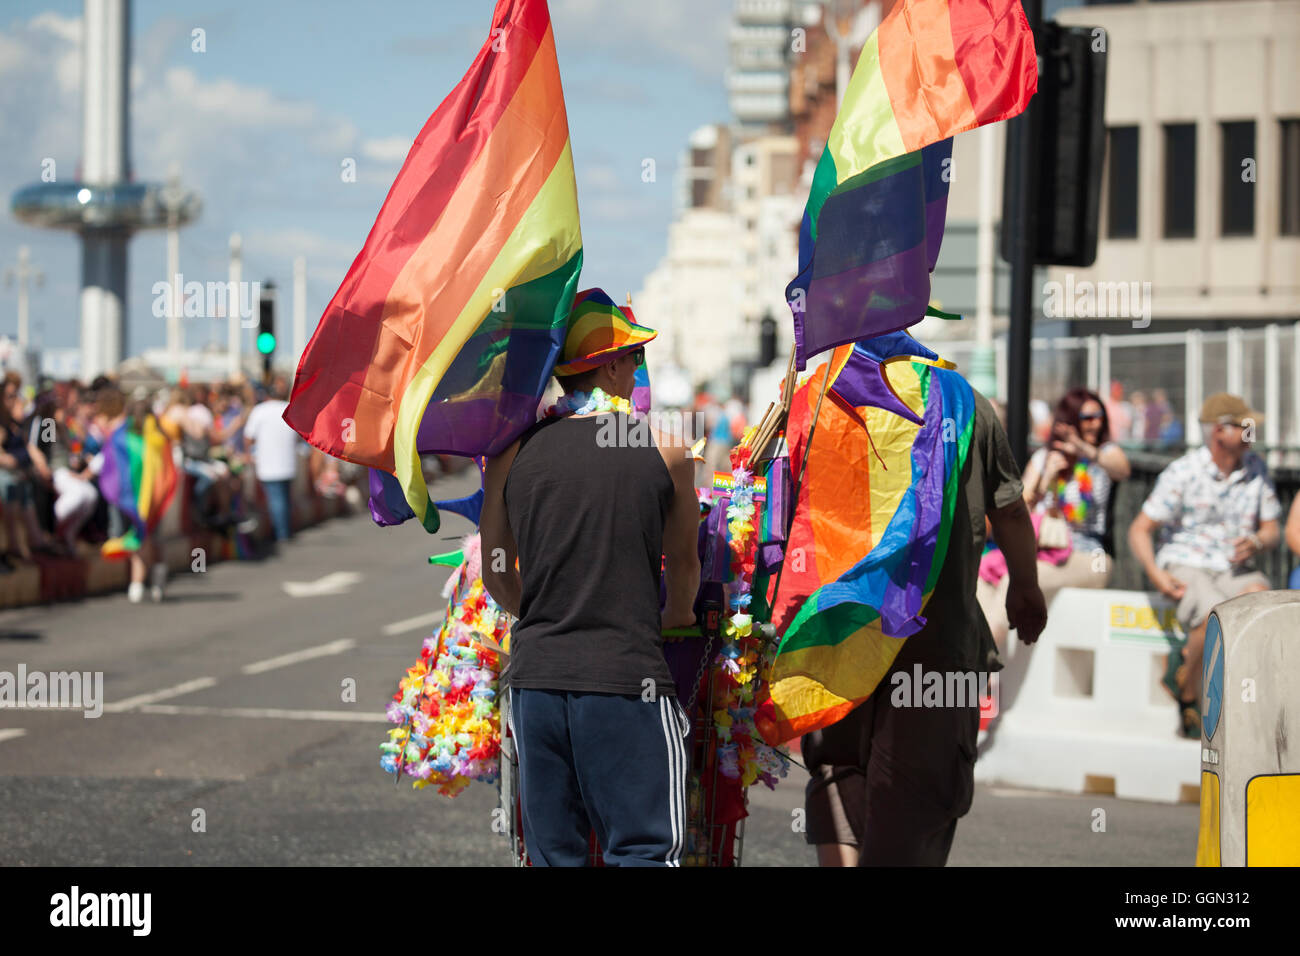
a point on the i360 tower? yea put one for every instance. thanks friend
(103, 205)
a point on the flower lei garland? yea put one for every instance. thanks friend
(580, 403)
(446, 707)
(1076, 513)
(744, 657)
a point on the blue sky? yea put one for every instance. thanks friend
(261, 122)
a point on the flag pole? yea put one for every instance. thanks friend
(798, 484)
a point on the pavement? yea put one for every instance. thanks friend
(243, 717)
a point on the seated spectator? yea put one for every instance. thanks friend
(59, 465)
(1216, 510)
(17, 475)
(1068, 488)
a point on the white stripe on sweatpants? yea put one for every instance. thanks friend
(676, 778)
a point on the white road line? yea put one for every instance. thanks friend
(412, 623)
(188, 687)
(264, 713)
(11, 732)
(284, 660)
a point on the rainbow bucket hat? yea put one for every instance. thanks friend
(598, 331)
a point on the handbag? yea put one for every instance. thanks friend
(1053, 533)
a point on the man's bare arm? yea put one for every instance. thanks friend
(1014, 533)
(681, 541)
(500, 576)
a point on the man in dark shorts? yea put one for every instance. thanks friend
(590, 507)
(890, 780)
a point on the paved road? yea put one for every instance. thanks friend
(226, 706)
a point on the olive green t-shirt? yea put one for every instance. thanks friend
(990, 480)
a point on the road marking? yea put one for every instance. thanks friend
(334, 583)
(264, 713)
(284, 660)
(188, 687)
(412, 623)
(11, 733)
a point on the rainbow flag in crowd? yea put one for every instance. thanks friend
(139, 478)
(875, 212)
(442, 337)
(882, 477)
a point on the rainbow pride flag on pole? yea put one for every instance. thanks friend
(139, 477)
(871, 528)
(875, 212)
(443, 334)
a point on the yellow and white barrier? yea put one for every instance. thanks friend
(1250, 733)
(1083, 710)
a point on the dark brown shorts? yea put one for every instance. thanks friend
(892, 780)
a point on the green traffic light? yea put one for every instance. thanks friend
(265, 343)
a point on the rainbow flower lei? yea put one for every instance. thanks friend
(745, 656)
(1076, 513)
(580, 403)
(448, 718)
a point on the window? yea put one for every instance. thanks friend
(1121, 183)
(1180, 180)
(1238, 184)
(1290, 169)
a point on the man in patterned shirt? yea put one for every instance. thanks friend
(1216, 510)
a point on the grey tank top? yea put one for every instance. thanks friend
(587, 515)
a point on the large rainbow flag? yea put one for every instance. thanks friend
(871, 526)
(139, 477)
(443, 334)
(868, 242)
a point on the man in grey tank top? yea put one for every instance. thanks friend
(593, 709)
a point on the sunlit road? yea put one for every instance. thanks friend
(227, 739)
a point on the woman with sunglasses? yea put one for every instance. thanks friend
(1068, 484)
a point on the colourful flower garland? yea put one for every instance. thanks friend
(580, 403)
(1076, 513)
(446, 708)
(744, 657)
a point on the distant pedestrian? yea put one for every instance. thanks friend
(274, 447)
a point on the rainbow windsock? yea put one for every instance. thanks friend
(871, 525)
(139, 478)
(443, 334)
(875, 212)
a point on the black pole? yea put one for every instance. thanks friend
(1022, 155)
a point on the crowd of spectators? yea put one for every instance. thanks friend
(51, 454)
(1198, 536)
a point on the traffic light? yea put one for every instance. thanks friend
(1068, 129)
(266, 325)
(767, 341)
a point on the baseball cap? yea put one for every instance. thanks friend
(598, 331)
(1223, 408)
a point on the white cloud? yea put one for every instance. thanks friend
(690, 31)
(391, 149)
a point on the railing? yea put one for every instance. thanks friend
(1259, 364)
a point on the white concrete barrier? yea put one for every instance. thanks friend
(1250, 733)
(1083, 710)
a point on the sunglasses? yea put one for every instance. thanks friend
(1090, 418)
(638, 354)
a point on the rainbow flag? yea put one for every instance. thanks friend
(881, 478)
(871, 229)
(139, 478)
(443, 334)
